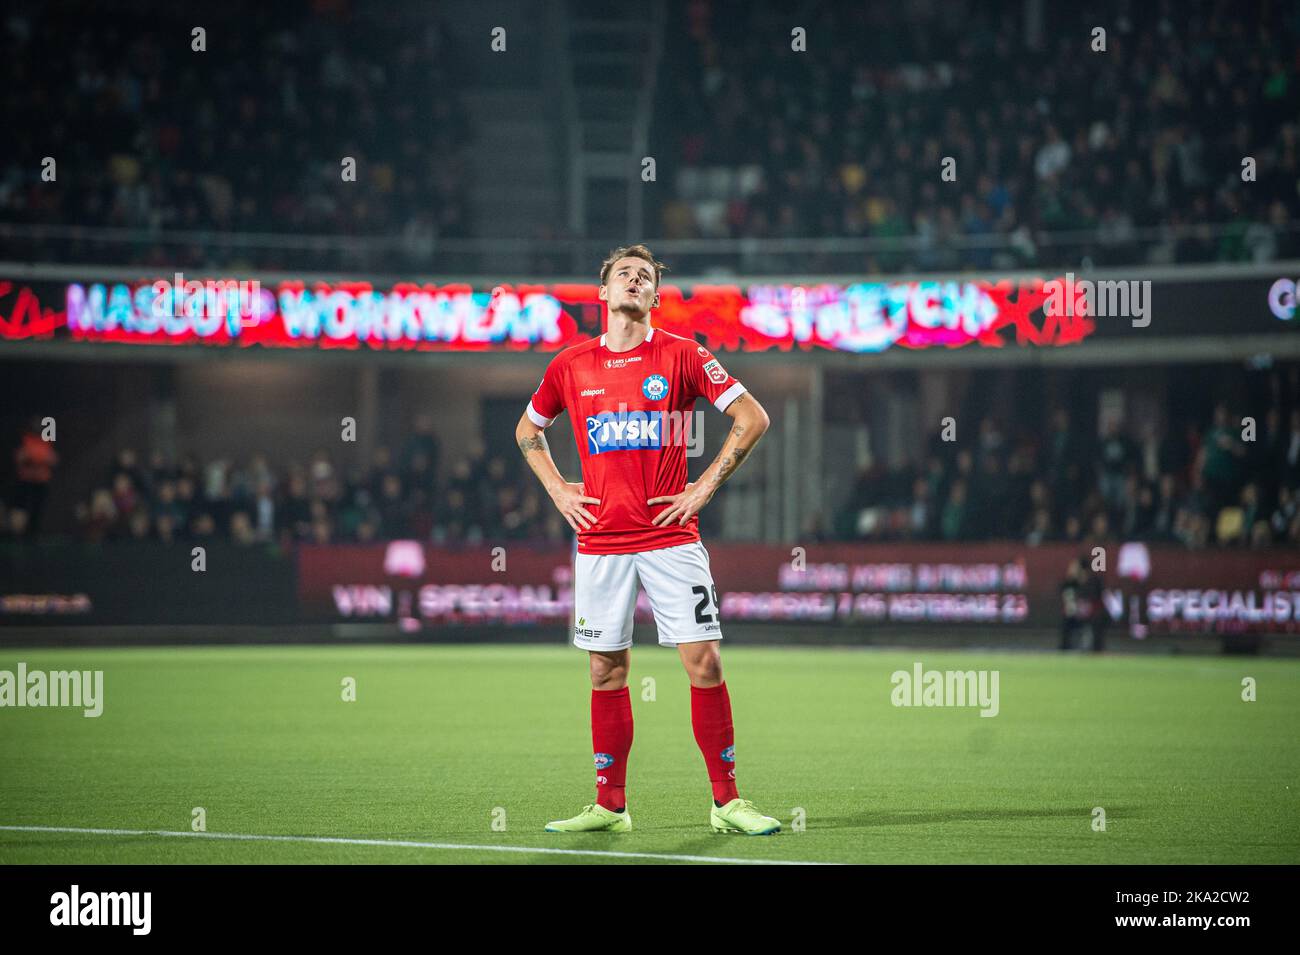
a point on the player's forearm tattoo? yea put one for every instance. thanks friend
(739, 431)
(535, 443)
(729, 464)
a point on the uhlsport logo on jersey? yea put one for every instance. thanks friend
(621, 430)
(655, 387)
(604, 760)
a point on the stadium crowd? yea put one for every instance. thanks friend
(1063, 153)
(247, 135)
(848, 139)
(1199, 486)
(394, 496)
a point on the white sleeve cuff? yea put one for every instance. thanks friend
(537, 419)
(728, 396)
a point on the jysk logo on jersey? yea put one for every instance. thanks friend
(618, 431)
(655, 387)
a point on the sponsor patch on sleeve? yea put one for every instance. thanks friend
(717, 374)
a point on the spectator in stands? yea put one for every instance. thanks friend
(139, 527)
(187, 501)
(1040, 527)
(421, 445)
(1166, 509)
(264, 507)
(954, 518)
(1064, 451)
(1291, 453)
(34, 461)
(125, 497)
(126, 465)
(1221, 452)
(1116, 457)
(921, 516)
(203, 528)
(394, 510)
(241, 529)
(1080, 594)
(296, 508)
(1284, 513)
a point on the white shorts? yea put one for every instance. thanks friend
(677, 581)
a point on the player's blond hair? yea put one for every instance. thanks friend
(639, 251)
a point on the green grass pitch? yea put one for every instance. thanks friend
(443, 740)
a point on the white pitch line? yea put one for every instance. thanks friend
(406, 844)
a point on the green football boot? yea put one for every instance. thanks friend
(739, 815)
(593, 819)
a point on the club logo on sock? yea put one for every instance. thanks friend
(729, 754)
(604, 760)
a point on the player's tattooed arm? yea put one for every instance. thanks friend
(536, 442)
(569, 499)
(750, 423)
(728, 465)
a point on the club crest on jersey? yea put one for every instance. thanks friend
(728, 754)
(655, 387)
(619, 431)
(717, 374)
(604, 760)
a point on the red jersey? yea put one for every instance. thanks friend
(631, 414)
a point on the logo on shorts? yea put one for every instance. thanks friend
(581, 631)
(616, 431)
(717, 374)
(729, 754)
(604, 760)
(655, 387)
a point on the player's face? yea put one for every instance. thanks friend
(630, 286)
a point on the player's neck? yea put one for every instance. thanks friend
(624, 334)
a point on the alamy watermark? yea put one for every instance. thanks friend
(76, 907)
(189, 298)
(83, 688)
(1104, 299)
(921, 687)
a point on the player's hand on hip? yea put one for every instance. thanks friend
(569, 499)
(681, 507)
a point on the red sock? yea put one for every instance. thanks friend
(611, 740)
(711, 720)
